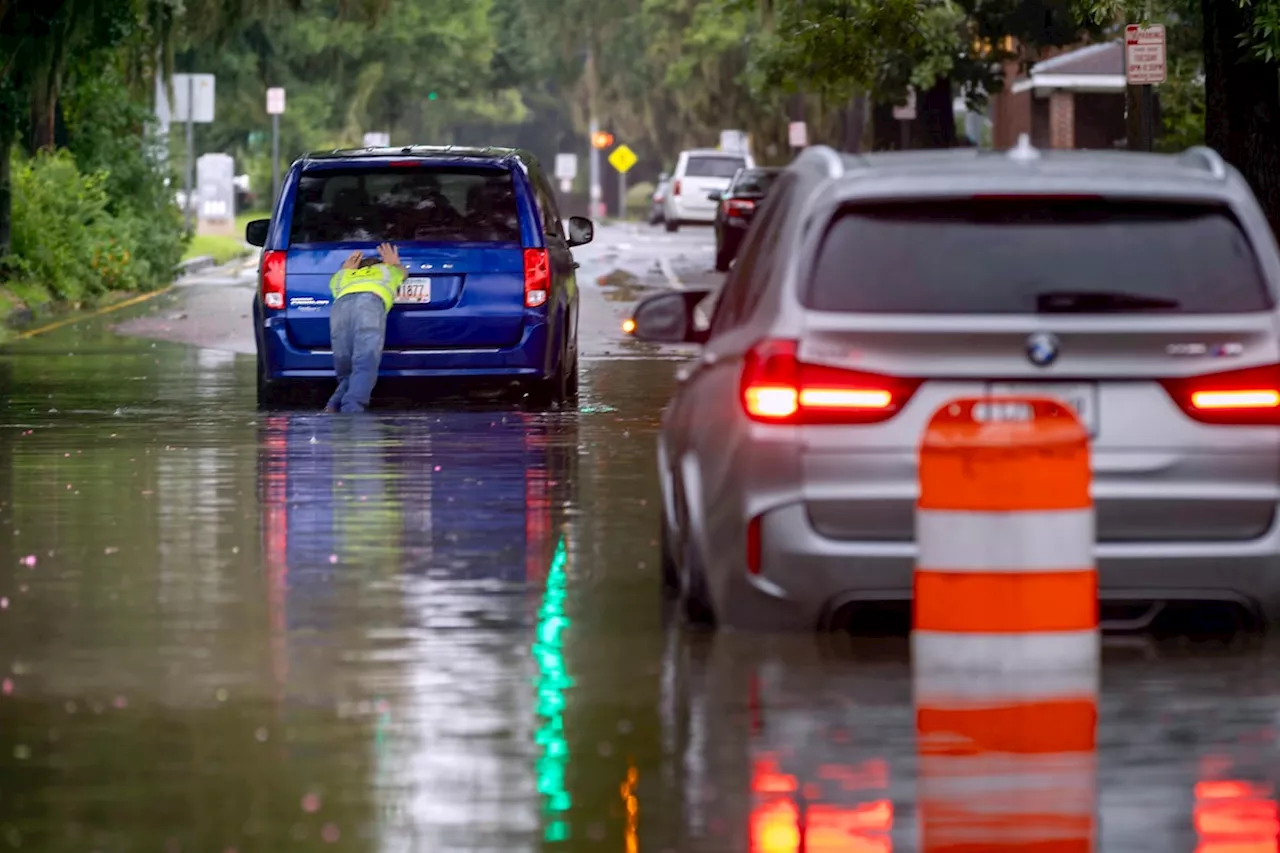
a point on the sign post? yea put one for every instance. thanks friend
(193, 102)
(1145, 66)
(275, 106)
(566, 170)
(622, 159)
(905, 114)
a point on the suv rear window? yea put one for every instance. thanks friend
(713, 167)
(998, 256)
(436, 204)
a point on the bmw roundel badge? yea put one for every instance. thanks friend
(1042, 349)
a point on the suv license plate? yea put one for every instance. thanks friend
(1082, 397)
(414, 291)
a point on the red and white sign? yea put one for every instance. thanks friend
(275, 101)
(1144, 55)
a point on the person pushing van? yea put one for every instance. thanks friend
(363, 292)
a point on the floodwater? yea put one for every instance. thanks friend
(439, 629)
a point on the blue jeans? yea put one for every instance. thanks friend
(358, 329)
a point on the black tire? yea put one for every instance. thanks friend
(572, 384)
(695, 602)
(271, 395)
(672, 226)
(555, 390)
(670, 571)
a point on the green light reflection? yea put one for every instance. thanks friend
(552, 681)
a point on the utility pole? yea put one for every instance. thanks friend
(593, 128)
(191, 149)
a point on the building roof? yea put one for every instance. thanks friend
(1095, 68)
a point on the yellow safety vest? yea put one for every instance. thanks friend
(380, 279)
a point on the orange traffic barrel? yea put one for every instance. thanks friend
(1006, 761)
(1005, 576)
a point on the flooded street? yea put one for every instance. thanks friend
(439, 628)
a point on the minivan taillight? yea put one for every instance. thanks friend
(537, 277)
(779, 388)
(1246, 397)
(675, 188)
(272, 278)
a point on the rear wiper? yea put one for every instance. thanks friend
(1088, 301)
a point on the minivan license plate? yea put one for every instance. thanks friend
(414, 291)
(1082, 397)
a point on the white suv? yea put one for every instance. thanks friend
(700, 171)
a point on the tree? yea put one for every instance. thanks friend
(1242, 83)
(942, 48)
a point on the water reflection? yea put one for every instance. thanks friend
(456, 517)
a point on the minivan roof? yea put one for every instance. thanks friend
(426, 152)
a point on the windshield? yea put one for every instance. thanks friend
(1007, 256)
(754, 182)
(713, 167)
(454, 204)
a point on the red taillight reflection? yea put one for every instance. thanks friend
(1235, 817)
(779, 825)
(272, 278)
(1247, 397)
(779, 388)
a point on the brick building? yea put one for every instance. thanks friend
(1074, 99)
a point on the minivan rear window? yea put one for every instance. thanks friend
(406, 203)
(713, 167)
(1003, 256)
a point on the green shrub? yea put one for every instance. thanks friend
(638, 197)
(63, 240)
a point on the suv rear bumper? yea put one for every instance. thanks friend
(528, 359)
(680, 211)
(805, 577)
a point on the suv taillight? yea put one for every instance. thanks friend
(537, 277)
(675, 188)
(738, 206)
(271, 278)
(1245, 397)
(779, 388)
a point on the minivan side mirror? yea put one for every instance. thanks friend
(668, 318)
(715, 195)
(581, 231)
(255, 233)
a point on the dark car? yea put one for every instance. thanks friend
(491, 295)
(737, 206)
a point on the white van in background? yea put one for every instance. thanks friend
(700, 171)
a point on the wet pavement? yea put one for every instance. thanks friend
(439, 629)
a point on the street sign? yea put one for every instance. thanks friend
(1144, 55)
(215, 177)
(196, 91)
(733, 141)
(377, 139)
(275, 101)
(907, 111)
(622, 159)
(566, 185)
(566, 167)
(798, 134)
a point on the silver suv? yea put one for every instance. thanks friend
(870, 290)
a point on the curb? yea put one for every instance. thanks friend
(194, 265)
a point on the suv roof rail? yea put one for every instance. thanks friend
(1204, 157)
(824, 158)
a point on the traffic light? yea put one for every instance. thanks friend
(601, 139)
(431, 97)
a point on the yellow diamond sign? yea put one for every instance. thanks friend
(622, 159)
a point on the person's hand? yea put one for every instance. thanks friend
(389, 255)
(353, 260)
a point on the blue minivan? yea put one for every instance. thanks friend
(491, 294)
